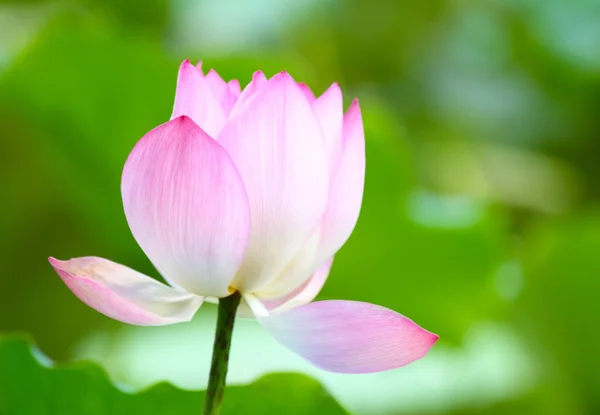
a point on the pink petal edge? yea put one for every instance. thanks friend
(308, 93)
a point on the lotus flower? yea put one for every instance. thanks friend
(251, 191)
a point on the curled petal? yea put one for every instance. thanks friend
(276, 144)
(347, 184)
(195, 99)
(186, 206)
(124, 294)
(349, 336)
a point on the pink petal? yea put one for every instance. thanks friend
(303, 294)
(329, 110)
(259, 80)
(124, 294)
(310, 96)
(234, 88)
(350, 336)
(216, 84)
(343, 207)
(187, 207)
(278, 148)
(223, 92)
(347, 184)
(195, 99)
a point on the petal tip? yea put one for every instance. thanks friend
(430, 338)
(258, 75)
(353, 114)
(56, 263)
(335, 87)
(184, 121)
(187, 65)
(282, 76)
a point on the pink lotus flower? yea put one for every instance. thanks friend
(251, 191)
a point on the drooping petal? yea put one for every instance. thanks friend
(303, 294)
(329, 111)
(259, 80)
(187, 207)
(195, 99)
(347, 184)
(277, 145)
(124, 294)
(349, 336)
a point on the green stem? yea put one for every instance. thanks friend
(220, 358)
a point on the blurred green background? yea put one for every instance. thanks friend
(480, 219)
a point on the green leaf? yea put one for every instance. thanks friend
(37, 386)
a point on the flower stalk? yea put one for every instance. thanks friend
(220, 358)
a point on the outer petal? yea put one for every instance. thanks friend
(187, 207)
(195, 99)
(347, 184)
(124, 294)
(278, 148)
(350, 336)
(329, 110)
(303, 294)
